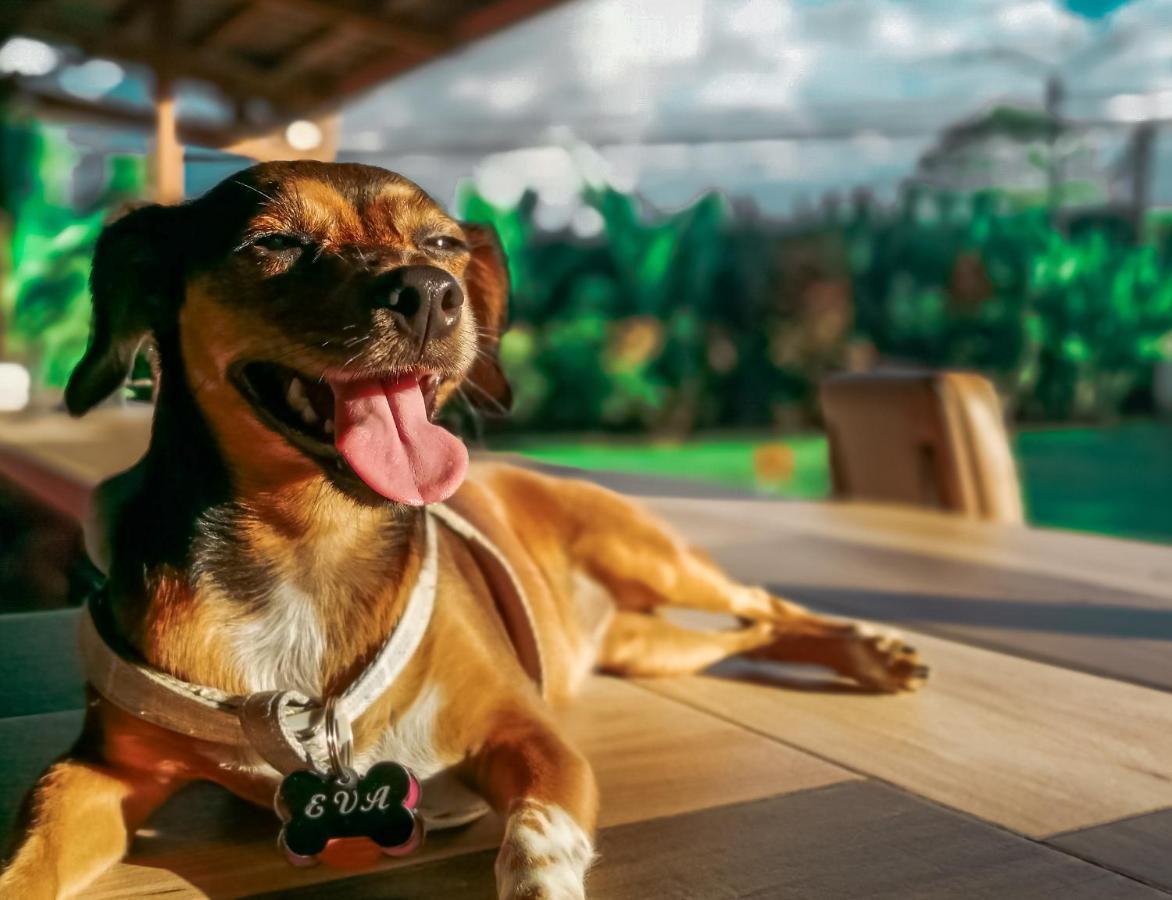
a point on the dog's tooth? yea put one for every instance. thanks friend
(308, 414)
(329, 426)
(295, 395)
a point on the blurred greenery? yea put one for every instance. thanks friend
(1110, 480)
(671, 323)
(674, 322)
(48, 243)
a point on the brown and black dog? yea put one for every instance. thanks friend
(310, 319)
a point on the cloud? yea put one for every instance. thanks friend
(856, 88)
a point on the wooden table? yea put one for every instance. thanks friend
(1035, 764)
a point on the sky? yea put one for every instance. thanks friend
(780, 100)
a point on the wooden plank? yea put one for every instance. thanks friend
(1036, 748)
(1069, 622)
(1123, 565)
(653, 758)
(848, 841)
(1137, 847)
(112, 439)
(85, 451)
(39, 668)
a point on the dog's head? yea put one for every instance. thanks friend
(319, 315)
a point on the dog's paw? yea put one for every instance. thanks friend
(881, 661)
(544, 856)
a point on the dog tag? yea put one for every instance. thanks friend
(379, 805)
(317, 809)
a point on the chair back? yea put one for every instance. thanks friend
(933, 439)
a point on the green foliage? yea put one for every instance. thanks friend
(673, 322)
(44, 297)
(688, 320)
(1069, 326)
(605, 331)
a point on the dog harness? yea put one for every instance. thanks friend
(287, 728)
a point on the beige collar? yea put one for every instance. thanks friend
(286, 727)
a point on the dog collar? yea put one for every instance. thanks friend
(286, 727)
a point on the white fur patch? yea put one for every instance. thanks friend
(409, 740)
(281, 647)
(545, 854)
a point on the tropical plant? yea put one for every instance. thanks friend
(44, 297)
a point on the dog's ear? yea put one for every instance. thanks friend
(134, 281)
(487, 280)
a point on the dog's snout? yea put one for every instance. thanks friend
(424, 301)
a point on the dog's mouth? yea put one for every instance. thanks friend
(382, 426)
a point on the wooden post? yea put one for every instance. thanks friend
(168, 159)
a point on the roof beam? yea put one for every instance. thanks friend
(121, 114)
(238, 20)
(235, 78)
(128, 12)
(417, 42)
(319, 48)
(501, 14)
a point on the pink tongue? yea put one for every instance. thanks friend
(383, 431)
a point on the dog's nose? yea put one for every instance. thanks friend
(424, 301)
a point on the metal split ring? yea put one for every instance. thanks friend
(341, 751)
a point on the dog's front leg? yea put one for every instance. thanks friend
(547, 790)
(79, 821)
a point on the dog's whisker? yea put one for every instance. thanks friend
(257, 190)
(473, 414)
(487, 396)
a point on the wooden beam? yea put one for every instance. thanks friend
(168, 155)
(501, 14)
(122, 115)
(238, 20)
(320, 47)
(415, 41)
(127, 12)
(235, 77)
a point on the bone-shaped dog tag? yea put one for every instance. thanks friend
(379, 805)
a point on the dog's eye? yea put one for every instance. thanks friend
(444, 242)
(279, 243)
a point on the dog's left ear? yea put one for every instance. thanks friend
(487, 281)
(134, 281)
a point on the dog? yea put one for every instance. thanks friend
(310, 319)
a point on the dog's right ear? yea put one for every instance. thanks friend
(136, 284)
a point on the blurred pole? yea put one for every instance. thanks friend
(1055, 93)
(168, 160)
(1143, 141)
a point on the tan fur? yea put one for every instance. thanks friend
(489, 719)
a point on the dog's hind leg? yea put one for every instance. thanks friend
(644, 566)
(647, 646)
(642, 645)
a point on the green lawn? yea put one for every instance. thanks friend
(1115, 480)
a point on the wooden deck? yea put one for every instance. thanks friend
(1035, 764)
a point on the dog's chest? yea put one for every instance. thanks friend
(281, 644)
